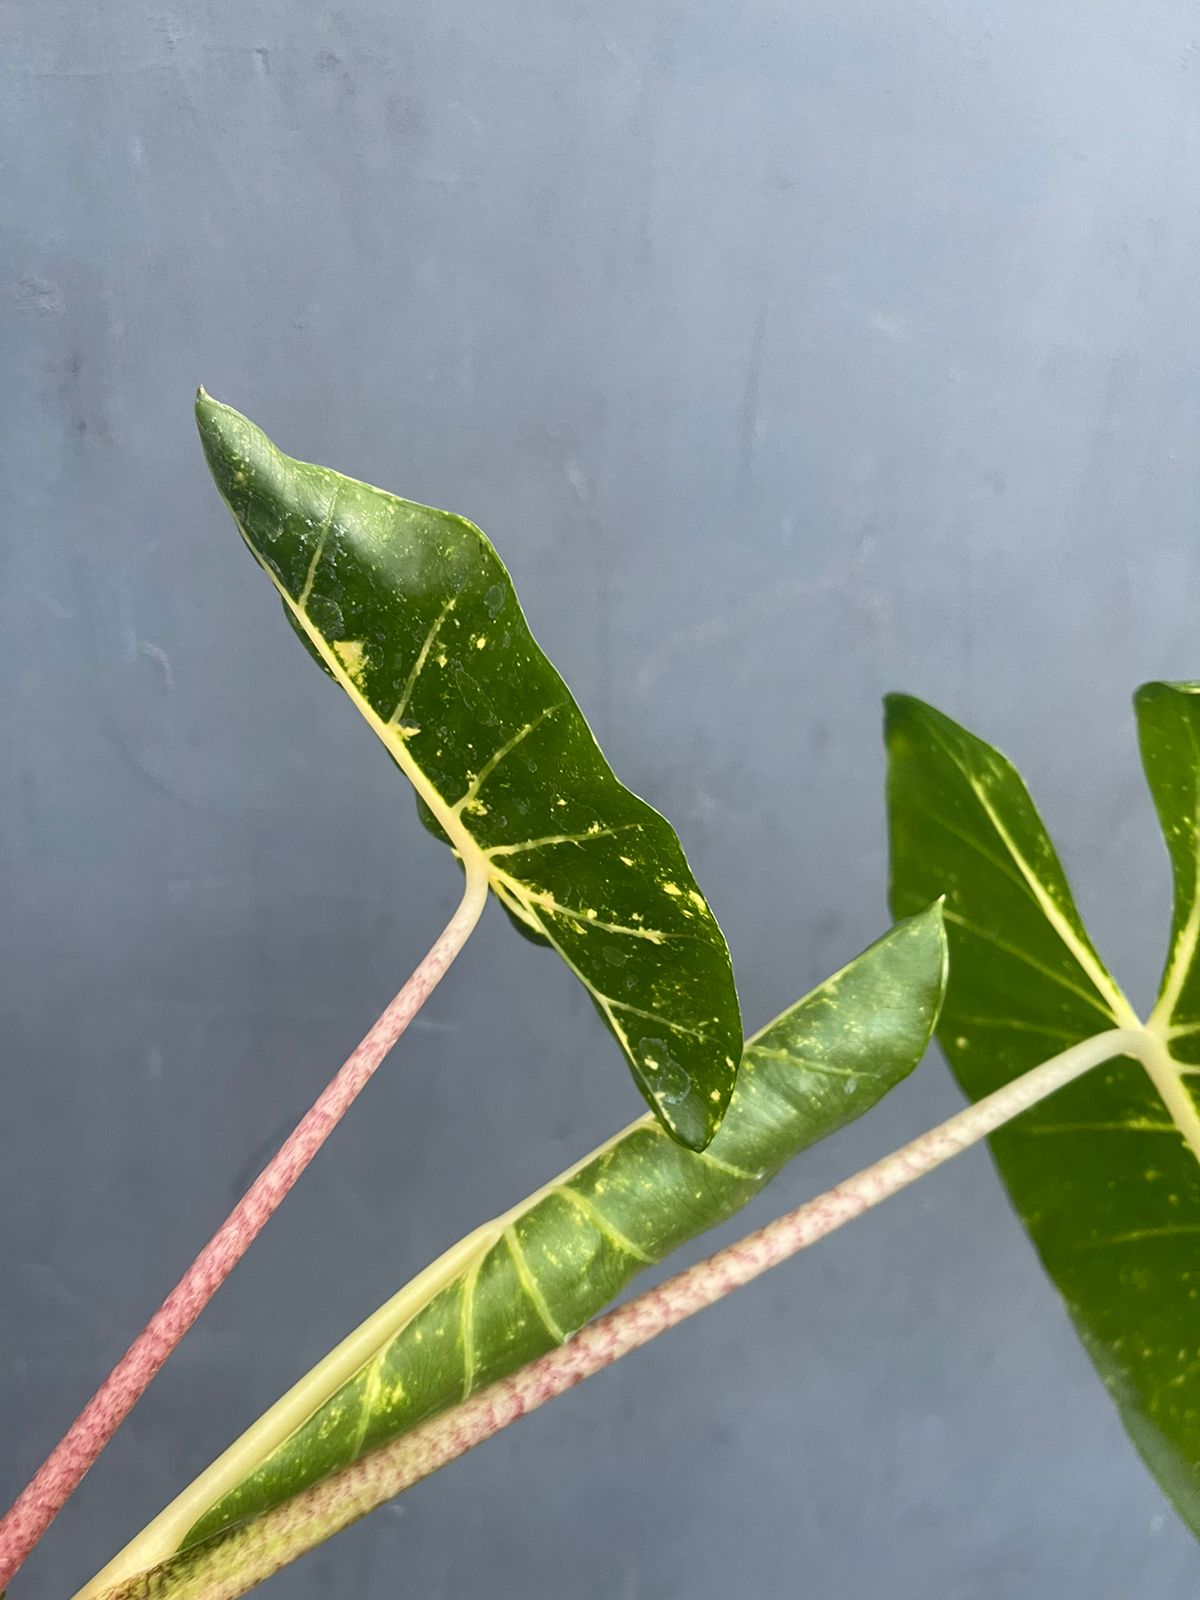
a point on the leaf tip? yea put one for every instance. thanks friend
(207, 409)
(936, 913)
(1164, 689)
(210, 413)
(929, 920)
(208, 417)
(899, 708)
(1147, 693)
(689, 1121)
(900, 711)
(240, 457)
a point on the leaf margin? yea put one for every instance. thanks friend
(689, 1095)
(1144, 1399)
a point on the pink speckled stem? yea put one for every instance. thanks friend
(230, 1565)
(60, 1474)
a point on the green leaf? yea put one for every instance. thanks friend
(526, 1281)
(413, 614)
(1168, 717)
(1104, 1174)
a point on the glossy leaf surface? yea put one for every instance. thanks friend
(523, 1283)
(1105, 1173)
(1169, 733)
(411, 611)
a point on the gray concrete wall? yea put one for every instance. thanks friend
(789, 353)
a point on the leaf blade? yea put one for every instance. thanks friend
(1099, 1174)
(412, 613)
(823, 1062)
(1168, 720)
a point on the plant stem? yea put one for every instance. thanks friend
(230, 1564)
(60, 1474)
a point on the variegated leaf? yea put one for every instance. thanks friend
(411, 611)
(521, 1284)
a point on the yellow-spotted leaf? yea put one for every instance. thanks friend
(523, 1283)
(411, 611)
(1105, 1174)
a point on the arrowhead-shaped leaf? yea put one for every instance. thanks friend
(1105, 1174)
(523, 1283)
(411, 611)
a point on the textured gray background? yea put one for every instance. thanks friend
(789, 353)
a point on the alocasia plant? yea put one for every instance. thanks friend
(412, 612)
(1094, 1116)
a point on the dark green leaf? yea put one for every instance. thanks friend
(523, 1283)
(1104, 1174)
(1169, 733)
(412, 612)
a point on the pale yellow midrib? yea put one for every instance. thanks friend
(1155, 1057)
(1100, 980)
(473, 858)
(1181, 959)
(1165, 1074)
